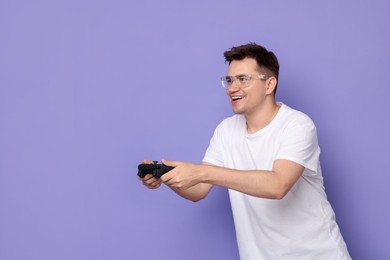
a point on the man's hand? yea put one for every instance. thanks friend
(149, 181)
(184, 179)
(183, 176)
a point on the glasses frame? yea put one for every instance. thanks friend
(242, 80)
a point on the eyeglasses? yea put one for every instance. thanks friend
(242, 81)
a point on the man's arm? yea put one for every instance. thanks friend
(190, 180)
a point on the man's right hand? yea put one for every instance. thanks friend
(149, 181)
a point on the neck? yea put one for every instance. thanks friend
(261, 117)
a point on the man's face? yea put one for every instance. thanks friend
(247, 98)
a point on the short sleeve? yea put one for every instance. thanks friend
(299, 144)
(214, 153)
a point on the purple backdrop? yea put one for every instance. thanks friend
(90, 88)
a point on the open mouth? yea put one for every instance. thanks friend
(235, 98)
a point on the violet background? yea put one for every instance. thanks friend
(90, 88)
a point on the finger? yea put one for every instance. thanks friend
(166, 178)
(147, 177)
(170, 163)
(151, 181)
(147, 161)
(154, 185)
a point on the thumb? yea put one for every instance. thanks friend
(170, 163)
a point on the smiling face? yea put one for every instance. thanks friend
(256, 95)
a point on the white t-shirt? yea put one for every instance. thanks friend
(302, 225)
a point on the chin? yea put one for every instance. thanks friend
(238, 112)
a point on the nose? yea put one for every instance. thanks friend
(233, 87)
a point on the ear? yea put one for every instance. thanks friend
(271, 84)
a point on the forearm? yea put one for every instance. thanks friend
(194, 193)
(258, 183)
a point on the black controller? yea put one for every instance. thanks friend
(156, 169)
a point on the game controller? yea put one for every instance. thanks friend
(155, 168)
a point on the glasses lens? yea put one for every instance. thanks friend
(242, 81)
(224, 82)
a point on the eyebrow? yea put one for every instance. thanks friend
(238, 75)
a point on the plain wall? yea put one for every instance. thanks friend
(90, 88)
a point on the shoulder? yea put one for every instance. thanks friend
(293, 117)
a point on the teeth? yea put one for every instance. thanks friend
(236, 98)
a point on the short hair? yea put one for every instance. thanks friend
(265, 59)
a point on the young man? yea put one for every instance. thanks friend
(267, 155)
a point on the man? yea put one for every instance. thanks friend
(267, 155)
